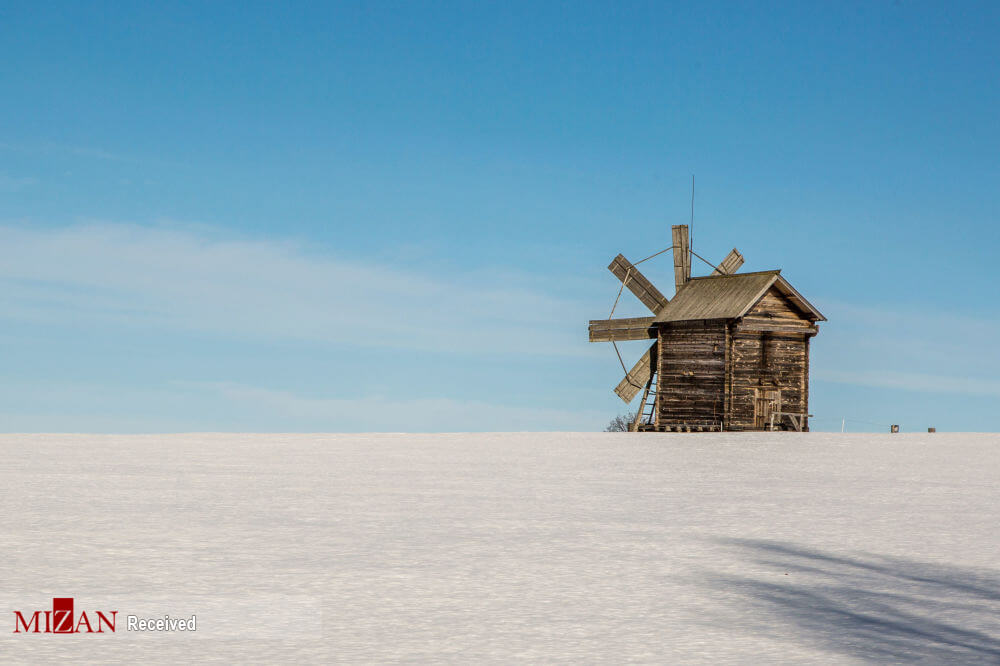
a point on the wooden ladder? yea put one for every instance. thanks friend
(648, 402)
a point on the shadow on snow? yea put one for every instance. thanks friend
(871, 607)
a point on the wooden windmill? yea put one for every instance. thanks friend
(730, 351)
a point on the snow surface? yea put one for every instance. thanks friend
(713, 548)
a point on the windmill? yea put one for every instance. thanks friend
(730, 351)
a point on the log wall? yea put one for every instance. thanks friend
(774, 310)
(768, 349)
(766, 360)
(692, 370)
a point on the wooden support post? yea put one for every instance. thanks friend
(727, 380)
(682, 256)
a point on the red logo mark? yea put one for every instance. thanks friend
(62, 620)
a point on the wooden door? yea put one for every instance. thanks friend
(766, 402)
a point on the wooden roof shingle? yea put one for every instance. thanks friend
(729, 297)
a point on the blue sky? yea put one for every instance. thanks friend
(397, 217)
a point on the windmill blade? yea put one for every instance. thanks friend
(682, 255)
(638, 376)
(616, 330)
(730, 264)
(638, 284)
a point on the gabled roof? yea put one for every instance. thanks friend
(730, 297)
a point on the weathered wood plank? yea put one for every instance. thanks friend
(691, 373)
(638, 376)
(776, 327)
(730, 264)
(727, 381)
(682, 255)
(804, 389)
(634, 328)
(637, 283)
(766, 360)
(774, 305)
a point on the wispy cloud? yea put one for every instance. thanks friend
(184, 279)
(68, 406)
(393, 414)
(85, 153)
(913, 381)
(15, 184)
(889, 347)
